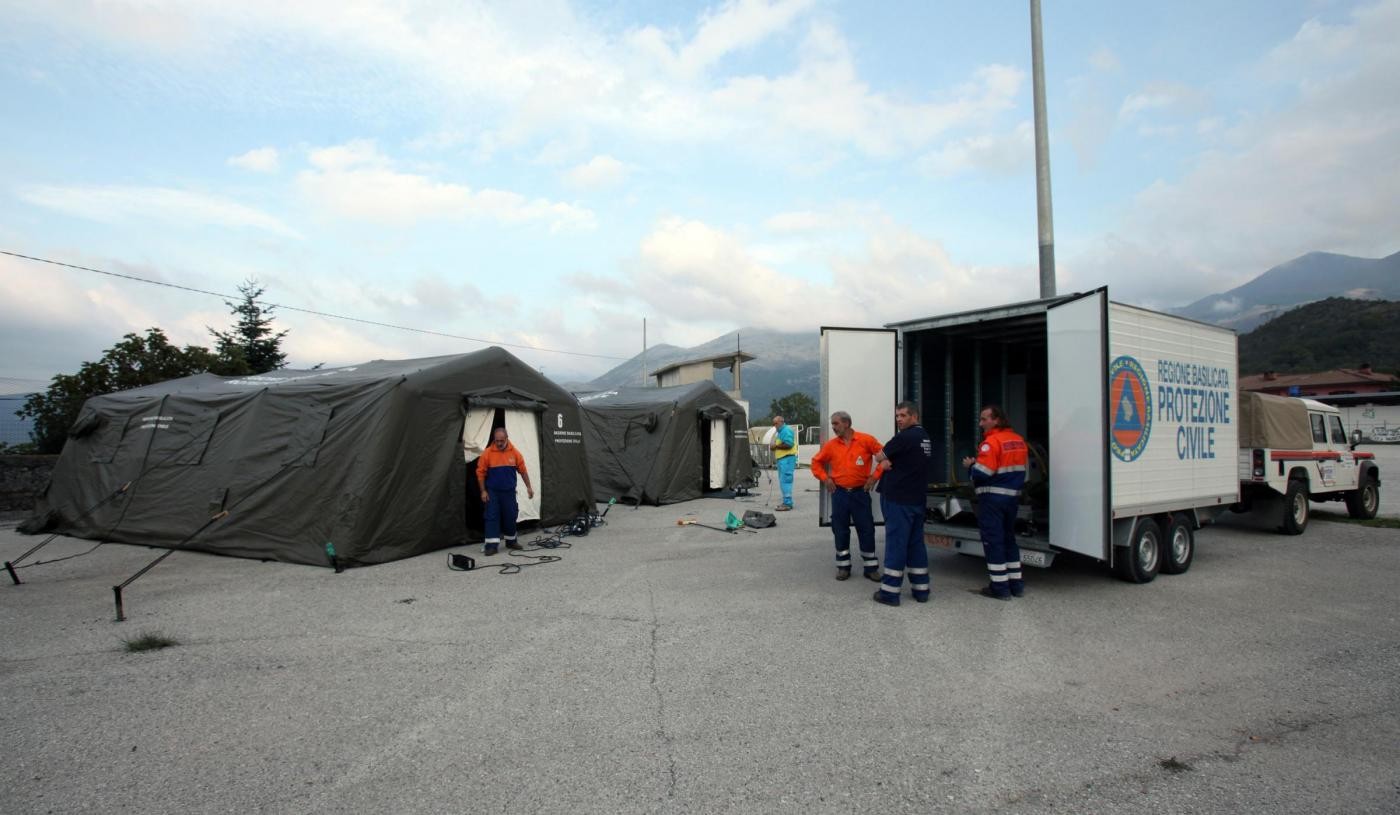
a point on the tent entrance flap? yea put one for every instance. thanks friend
(718, 443)
(523, 427)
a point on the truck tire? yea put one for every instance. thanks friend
(1142, 558)
(1363, 501)
(1295, 507)
(1179, 547)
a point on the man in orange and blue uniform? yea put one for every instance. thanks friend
(845, 466)
(495, 474)
(998, 473)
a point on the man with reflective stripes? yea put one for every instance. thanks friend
(845, 466)
(998, 473)
(903, 465)
(495, 474)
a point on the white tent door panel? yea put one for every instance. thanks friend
(476, 433)
(523, 427)
(719, 444)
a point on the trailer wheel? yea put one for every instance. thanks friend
(1180, 546)
(1365, 500)
(1143, 557)
(1295, 507)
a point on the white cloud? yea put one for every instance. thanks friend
(1314, 174)
(737, 25)
(533, 71)
(597, 173)
(355, 153)
(996, 153)
(355, 182)
(694, 274)
(801, 221)
(1226, 306)
(117, 204)
(1166, 97)
(259, 160)
(1104, 60)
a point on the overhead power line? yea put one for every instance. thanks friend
(310, 311)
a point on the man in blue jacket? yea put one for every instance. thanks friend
(903, 486)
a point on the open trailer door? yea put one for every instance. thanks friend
(1077, 356)
(858, 375)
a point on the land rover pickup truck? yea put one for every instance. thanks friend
(1293, 451)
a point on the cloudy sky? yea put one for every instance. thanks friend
(547, 174)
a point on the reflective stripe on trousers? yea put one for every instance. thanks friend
(852, 508)
(904, 548)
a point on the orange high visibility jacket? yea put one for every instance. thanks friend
(496, 469)
(1000, 468)
(850, 463)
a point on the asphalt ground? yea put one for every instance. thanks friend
(665, 668)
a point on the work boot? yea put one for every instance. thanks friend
(872, 575)
(489, 550)
(843, 574)
(986, 591)
(513, 545)
(1018, 591)
(884, 598)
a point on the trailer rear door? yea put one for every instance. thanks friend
(1077, 353)
(858, 376)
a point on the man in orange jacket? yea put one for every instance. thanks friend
(845, 466)
(495, 474)
(998, 473)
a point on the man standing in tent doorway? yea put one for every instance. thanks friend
(785, 458)
(495, 473)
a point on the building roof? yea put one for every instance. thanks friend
(718, 360)
(1339, 377)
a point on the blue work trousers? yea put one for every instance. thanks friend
(501, 511)
(852, 508)
(904, 550)
(996, 521)
(787, 465)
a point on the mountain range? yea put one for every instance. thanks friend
(787, 362)
(1311, 277)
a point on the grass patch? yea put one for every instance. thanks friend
(1377, 522)
(1174, 765)
(148, 641)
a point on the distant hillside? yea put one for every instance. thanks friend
(1332, 333)
(1311, 277)
(786, 363)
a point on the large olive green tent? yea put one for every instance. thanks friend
(663, 445)
(371, 458)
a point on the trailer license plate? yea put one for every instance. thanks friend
(942, 541)
(1030, 557)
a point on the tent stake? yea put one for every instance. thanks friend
(10, 567)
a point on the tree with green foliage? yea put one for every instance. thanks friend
(796, 408)
(251, 347)
(1325, 335)
(131, 363)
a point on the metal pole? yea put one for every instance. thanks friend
(644, 352)
(1042, 161)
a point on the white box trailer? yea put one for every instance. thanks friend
(1130, 415)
